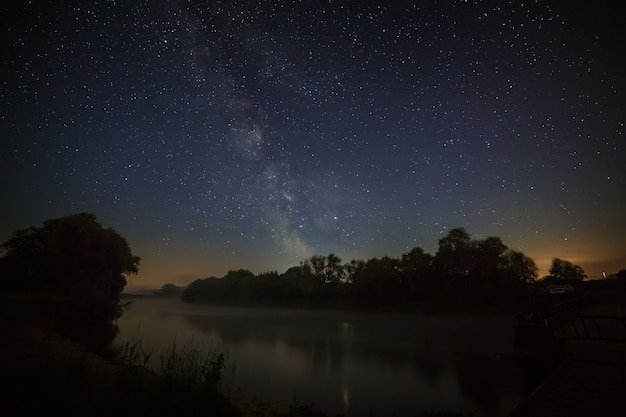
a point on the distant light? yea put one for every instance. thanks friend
(604, 274)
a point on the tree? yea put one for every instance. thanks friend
(418, 270)
(481, 272)
(352, 269)
(416, 261)
(456, 252)
(335, 271)
(329, 275)
(489, 254)
(566, 271)
(74, 258)
(200, 291)
(380, 281)
(169, 290)
(521, 267)
(456, 239)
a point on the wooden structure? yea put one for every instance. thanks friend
(591, 379)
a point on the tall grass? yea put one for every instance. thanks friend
(133, 353)
(191, 364)
(189, 375)
(56, 377)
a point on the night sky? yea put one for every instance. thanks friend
(254, 134)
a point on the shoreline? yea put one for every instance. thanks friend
(44, 369)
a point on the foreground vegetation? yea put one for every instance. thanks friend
(45, 373)
(74, 259)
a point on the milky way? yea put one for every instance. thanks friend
(247, 134)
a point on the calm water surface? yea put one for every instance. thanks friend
(350, 363)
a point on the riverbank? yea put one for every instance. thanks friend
(44, 372)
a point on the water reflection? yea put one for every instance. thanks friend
(347, 362)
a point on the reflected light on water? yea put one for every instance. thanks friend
(346, 362)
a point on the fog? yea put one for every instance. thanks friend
(344, 362)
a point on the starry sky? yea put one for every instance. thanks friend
(219, 135)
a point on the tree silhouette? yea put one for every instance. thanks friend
(566, 271)
(71, 257)
(169, 290)
(418, 269)
(464, 273)
(455, 254)
(521, 267)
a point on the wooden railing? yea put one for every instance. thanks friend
(592, 327)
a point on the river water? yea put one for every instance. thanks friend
(343, 362)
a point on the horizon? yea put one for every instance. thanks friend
(184, 280)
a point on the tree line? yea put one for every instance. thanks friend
(82, 268)
(463, 273)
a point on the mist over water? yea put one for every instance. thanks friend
(345, 362)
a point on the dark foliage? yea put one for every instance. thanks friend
(169, 291)
(75, 384)
(482, 274)
(565, 271)
(73, 259)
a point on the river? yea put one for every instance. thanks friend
(344, 362)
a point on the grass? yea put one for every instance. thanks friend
(135, 354)
(44, 373)
(190, 364)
